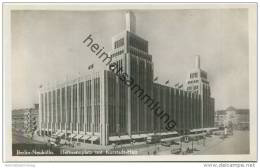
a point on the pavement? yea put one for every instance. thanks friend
(19, 137)
(236, 144)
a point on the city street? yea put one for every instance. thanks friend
(238, 143)
(20, 138)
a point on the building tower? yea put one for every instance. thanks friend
(130, 52)
(197, 82)
(130, 22)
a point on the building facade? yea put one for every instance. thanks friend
(18, 118)
(26, 119)
(31, 117)
(238, 118)
(102, 108)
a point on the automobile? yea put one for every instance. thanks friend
(54, 140)
(176, 151)
(175, 143)
(54, 144)
(153, 139)
(196, 138)
(219, 132)
(221, 128)
(167, 144)
(208, 135)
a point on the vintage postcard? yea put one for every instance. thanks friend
(129, 82)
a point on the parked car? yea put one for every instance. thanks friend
(175, 143)
(176, 151)
(153, 139)
(54, 140)
(208, 135)
(167, 144)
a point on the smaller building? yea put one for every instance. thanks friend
(18, 118)
(238, 118)
(31, 121)
(26, 119)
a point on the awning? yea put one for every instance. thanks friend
(174, 132)
(213, 129)
(72, 135)
(143, 135)
(169, 133)
(119, 138)
(150, 134)
(85, 137)
(125, 137)
(139, 136)
(195, 135)
(114, 138)
(171, 139)
(94, 138)
(78, 136)
(196, 130)
(136, 136)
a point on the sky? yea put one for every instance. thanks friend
(47, 47)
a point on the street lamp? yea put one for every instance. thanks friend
(204, 138)
(192, 144)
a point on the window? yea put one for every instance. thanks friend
(140, 44)
(119, 43)
(194, 75)
(203, 75)
(117, 53)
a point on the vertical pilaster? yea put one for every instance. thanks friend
(44, 112)
(40, 113)
(51, 104)
(56, 108)
(137, 78)
(103, 135)
(146, 80)
(117, 104)
(65, 112)
(78, 109)
(92, 103)
(72, 112)
(48, 113)
(169, 111)
(62, 113)
(202, 107)
(85, 106)
(129, 130)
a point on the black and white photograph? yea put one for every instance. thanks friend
(164, 82)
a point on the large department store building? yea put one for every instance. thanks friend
(99, 108)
